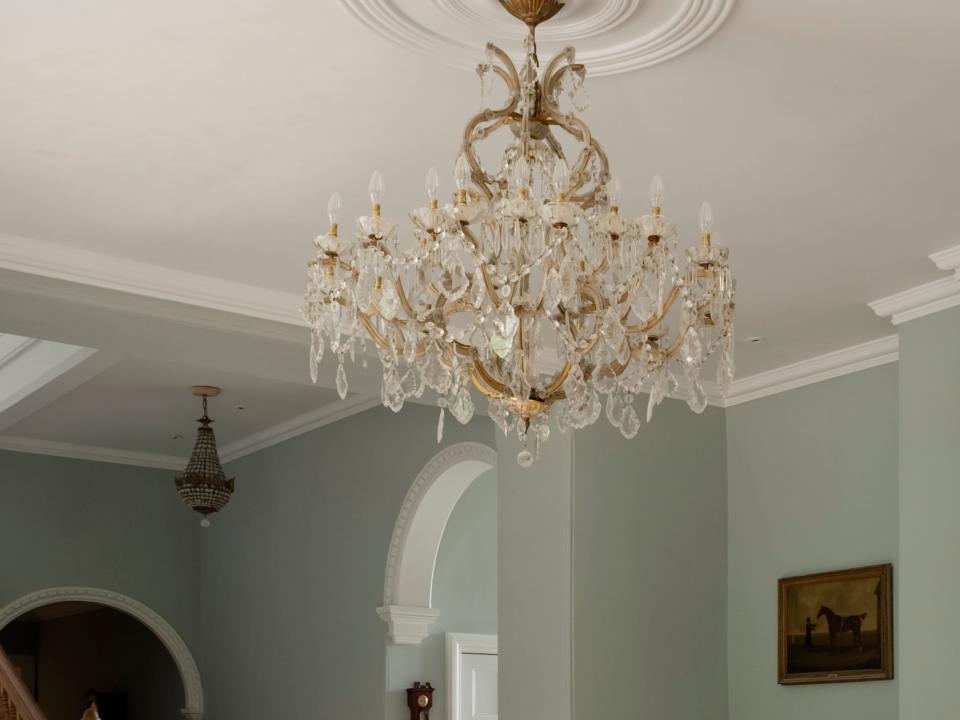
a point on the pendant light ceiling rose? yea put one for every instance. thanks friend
(532, 12)
(209, 391)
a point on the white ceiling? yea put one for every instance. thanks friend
(206, 137)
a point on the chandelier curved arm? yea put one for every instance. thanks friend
(553, 75)
(513, 79)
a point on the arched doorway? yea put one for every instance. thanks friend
(408, 585)
(440, 587)
(87, 598)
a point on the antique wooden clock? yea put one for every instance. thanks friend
(420, 700)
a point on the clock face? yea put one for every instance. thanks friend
(423, 701)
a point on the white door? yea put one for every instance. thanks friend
(478, 687)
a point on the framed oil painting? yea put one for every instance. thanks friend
(836, 626)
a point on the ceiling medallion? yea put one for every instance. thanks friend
(531, 284)
(203, 486)
(614, 36)
(532, 12)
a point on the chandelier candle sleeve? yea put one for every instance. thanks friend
(532, 285)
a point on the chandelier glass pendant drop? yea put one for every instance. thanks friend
(531, 285)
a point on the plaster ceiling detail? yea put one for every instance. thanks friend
(612, 37)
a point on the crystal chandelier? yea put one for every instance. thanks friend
(203, 486)
(531, 285)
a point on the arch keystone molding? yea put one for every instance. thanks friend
(186, 665)
(408, 585)
(613, 36)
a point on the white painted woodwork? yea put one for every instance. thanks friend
(408, 583)
(472, 677)
(478, 687)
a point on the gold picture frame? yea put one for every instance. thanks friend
(836, 626)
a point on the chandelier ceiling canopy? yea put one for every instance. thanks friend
(531, 285)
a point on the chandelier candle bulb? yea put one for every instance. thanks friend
(433, 187)
(534, 287)
(706, 219)
(461, 178)
(614, 194)
(333, 213)
(376, 191)
(656, 194)
(561, 180)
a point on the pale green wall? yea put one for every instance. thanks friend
(114, 527)
(293, 570)
(465, 578)
(929, 577)
(813, 486)
(465, 592)
(650, 569)
(535, 582)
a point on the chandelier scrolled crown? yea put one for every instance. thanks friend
(531, 285)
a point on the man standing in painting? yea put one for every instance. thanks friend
(808, 638)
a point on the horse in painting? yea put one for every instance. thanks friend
(840, 624)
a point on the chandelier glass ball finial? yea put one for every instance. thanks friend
(533, 285)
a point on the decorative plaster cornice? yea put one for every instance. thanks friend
(919, 301)
(286, 430)
(189, 672)
(925, 299)
(692, 23)
(62, 262)
(325, 415)
(91, 452)
(948, 260)
(816, 369)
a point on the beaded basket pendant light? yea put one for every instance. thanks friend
(203, 486)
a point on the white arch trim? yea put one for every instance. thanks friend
(411, 559)
(189, 673)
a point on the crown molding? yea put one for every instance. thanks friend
(446, 41)
(919, 301)
(948, 260)
(924, 299)
(325, 415)
(62, 262)
(91, 452)
(816, 369)
(330, 413)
